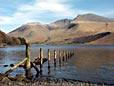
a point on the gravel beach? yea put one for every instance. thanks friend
(46, 82)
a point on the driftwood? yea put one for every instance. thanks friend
(13, 68)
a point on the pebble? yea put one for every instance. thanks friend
(20, 80)
(44, 83)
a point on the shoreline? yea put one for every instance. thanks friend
(49, 83)
(21, 80)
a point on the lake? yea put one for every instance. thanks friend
(90, 63)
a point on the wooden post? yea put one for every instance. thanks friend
(55, 56)
(41, 60)
(28, 65)
(48, 57)
(63, 56)
(73, 53)
(60, 55)
(69, 54)
(48, 61)
(66, 55)
(28, 74)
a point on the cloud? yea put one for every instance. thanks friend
(46, 6)
(31, 12)
(109, 12)
(43, 10)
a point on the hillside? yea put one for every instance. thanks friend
(108, 40)
(33, 32)
(7, 40)
(65, 30)
(90, 38)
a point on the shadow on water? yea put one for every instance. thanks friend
(90, 63)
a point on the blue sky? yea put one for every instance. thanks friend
(14, 13)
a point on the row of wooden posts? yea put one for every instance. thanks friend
(63, 56)
(28, 64)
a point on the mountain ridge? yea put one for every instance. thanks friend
(93, 17)
(59, 31)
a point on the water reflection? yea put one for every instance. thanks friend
(92, 58)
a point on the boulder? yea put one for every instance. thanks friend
(12, 78)
(5, 79)
(1, 76)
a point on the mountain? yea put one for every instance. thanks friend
(7, 40)
(93, 17)
(61, 23)
(33, 32)
(66, 30)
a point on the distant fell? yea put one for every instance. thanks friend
(93, 17)
(62, 22)
(83, 29)
(32, 32)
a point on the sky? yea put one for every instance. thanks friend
(14, 13)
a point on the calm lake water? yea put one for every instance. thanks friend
(90, 63)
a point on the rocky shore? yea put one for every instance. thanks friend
(47, 83)
(21, 80)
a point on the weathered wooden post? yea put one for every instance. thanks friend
(41, 60)
(55, 56)
(48, 57)
(28, 62)
(72, 53)
(60, 55)
(69, 54)
(63, 56)
(66, 55)
(48, 61)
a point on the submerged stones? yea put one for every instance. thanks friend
(11, 65)
(5, 65)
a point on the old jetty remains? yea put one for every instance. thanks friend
(58, 57)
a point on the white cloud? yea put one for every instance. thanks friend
(27, 13)
(108, 13)
(42, 9)
(44, 6)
